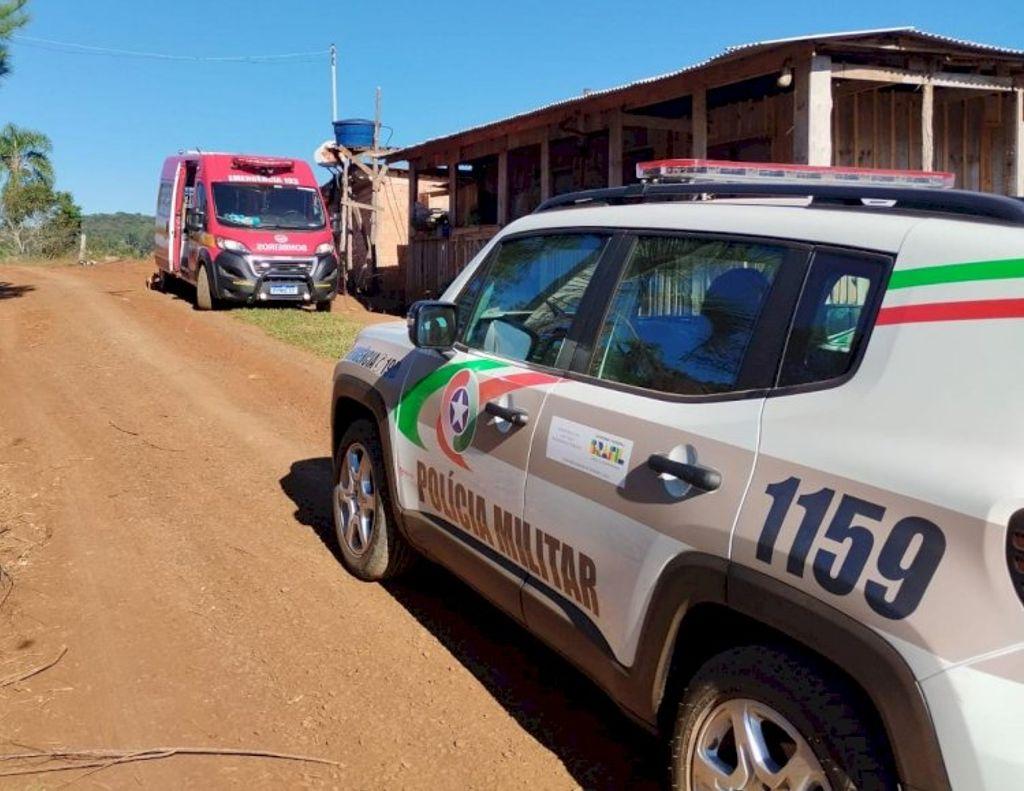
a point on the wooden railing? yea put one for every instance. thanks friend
(434, 262)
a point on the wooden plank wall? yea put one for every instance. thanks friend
(435, 261)
(879, 128)
(771, 117)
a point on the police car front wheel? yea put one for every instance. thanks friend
(371, 546)
(769, 719)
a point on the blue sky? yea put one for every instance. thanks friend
(442, 66)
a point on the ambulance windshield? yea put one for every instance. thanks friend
(268, 206)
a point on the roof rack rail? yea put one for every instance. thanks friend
(948, 201)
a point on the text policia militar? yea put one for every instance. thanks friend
(544, 556)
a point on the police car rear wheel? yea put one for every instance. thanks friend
(371, 546)
(772, 720)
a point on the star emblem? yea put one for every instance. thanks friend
(458, 410)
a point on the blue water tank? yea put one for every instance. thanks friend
(354, 133)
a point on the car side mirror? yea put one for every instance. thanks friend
(432, 325)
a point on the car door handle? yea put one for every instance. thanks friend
(702, 477)
(517, 417)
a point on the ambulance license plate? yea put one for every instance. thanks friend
(285, 290)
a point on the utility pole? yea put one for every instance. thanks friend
(334, 83)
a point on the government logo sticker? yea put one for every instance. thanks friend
(457, 416)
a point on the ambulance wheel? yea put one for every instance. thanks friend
(324, 307)
(372, 548)
(204, 290)
(766, 718)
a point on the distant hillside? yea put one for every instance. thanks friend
(120, 233)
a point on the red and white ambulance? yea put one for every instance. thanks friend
(244, 229)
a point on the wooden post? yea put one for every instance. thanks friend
(413, 189)
(346, 222)
(699, 124)
(375, 184)
(503, 186)
(927, 127)
(453, 189)
(615, 149)
(413, 275)
(545, 168)
(1016, 143)
(812, 112)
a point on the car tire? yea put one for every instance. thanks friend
(204, 289)
(372, 548)
(795, 717)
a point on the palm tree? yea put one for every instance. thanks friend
(12, 17)
(25, 155)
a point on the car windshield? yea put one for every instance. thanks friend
(268, 206)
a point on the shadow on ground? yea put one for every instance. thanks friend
(555, 703)
(11, 291)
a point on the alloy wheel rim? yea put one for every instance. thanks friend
(745, 745)
(355, 500)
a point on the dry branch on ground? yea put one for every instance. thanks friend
(69, 759)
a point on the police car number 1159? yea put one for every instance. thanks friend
(905, 573)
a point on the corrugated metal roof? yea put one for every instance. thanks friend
(728, 52)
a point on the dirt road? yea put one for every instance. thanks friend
(164, 514)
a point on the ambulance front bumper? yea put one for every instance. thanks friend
(250, 279)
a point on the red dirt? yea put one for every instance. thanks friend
(164, 512)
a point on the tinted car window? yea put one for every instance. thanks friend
(684, 313)
(832, 316)
(527, 294)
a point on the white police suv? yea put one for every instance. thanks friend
(744, 444)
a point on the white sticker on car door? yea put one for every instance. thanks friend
(589, 450)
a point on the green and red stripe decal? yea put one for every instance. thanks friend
(974, 271)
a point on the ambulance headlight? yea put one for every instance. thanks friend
(232, 245)
(325, 248)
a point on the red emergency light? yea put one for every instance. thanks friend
(723, 171)
(263, 165)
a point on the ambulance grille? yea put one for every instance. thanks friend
(1015, 552)
(279, 267)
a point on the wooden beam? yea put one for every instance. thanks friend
(699, 124)
(615, 149)
(502, 187)
(1016, 143)
(812, 112)
(413, 189)
(656, 122)
(942, 79)
(545, 168)
(453, 191)
(927, 127)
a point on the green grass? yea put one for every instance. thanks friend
(327, 334)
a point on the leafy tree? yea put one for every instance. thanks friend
(20, 204)
(36, 220)
(12, 17)
(60, 226)
(25, 155)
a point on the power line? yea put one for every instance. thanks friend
(85, 49)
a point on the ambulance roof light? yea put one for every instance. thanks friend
(716, 171)
(263, 165)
